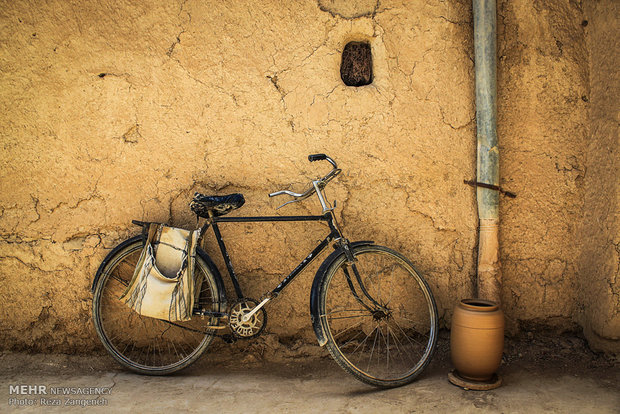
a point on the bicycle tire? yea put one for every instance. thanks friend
(409, 318)
(142, 344)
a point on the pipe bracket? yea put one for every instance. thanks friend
(490, 187)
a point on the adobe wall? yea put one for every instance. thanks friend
(542, 125)
(599, 271)
(121, 110)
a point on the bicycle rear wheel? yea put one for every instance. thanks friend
(386, 335)
(142, 344)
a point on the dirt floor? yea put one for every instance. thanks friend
(541, 373)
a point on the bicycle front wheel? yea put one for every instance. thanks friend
(379, 316)
(142, 344)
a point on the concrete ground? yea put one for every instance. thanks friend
(540, 374)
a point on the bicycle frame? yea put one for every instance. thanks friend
(328, 217)
(335, 234)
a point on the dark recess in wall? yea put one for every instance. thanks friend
(356, 65)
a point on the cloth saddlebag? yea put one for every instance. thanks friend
(162, 286)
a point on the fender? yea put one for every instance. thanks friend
(203, 255)
(216, 275)
(315, 293)
(111, 255)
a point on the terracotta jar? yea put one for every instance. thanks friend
(477, 338)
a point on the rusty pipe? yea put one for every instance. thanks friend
(488, 284)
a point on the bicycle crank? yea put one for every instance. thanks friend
(244, 321)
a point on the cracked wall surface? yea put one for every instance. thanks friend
(600, 257)
(543, 125)
(556, 120)
(121, 110)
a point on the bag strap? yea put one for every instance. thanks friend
(190, 250)
(152, 232)
(147, 245)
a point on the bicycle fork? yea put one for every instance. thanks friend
(351, 262)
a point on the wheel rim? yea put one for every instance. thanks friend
(144, 343)
(394, 339)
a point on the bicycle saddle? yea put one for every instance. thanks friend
(219, 205)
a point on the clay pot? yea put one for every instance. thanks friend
(477, 338)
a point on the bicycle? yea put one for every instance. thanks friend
(369, 306)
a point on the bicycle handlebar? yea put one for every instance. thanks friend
(320, 184)
(321, 157)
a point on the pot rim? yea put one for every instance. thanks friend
(480, 305)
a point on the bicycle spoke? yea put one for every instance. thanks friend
(372, 350)
(391, 289)
(380, 331)
(350, 317)
(387, 342)
(402, 353)
(362, 343)
(121, 281)
(344, 310)
(407, 336)
(396, 343)
(348, 329)
(351, 340)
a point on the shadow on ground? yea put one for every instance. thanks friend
(540, 373)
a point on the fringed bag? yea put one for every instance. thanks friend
(162, 286)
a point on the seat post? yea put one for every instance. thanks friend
(203, 228)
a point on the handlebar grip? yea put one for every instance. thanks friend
(316, 157)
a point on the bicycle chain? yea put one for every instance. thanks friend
(228, 337)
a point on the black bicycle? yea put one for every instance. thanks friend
(370, 307)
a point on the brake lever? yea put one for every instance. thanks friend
(301, 197)
(288, 202)
(298, 197)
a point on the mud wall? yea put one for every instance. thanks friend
(558, 88)
(599, 270)
(542, 125)
(121, 110)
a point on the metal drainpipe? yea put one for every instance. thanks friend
(489, 276)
